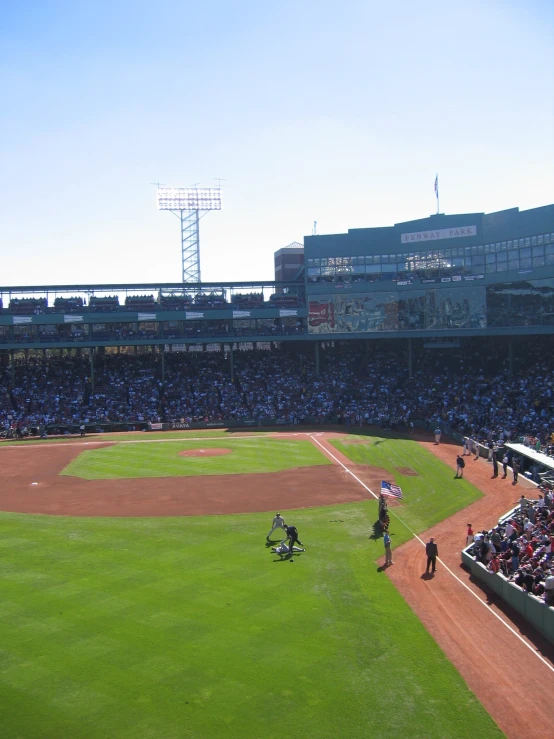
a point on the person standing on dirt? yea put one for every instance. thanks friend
(432, 552)
(505, 461)
(469, 536)
(515, 469)
(437, 435)
(494, 463)
(82, 429)
(388, 552)
(460, 464)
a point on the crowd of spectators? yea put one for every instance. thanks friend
(168, 301)
(521, 547)
(473, 394)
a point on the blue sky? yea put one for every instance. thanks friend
(336, 112)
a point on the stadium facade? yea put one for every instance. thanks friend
(441, 280)
(469, 274)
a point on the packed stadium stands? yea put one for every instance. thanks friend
(352, 383)
(521, 547)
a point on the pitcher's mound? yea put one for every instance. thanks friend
(205, 452)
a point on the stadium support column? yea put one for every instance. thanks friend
(163, 363)
(12, 367)
(510, 356)
(232, 364)
(316, 350)
(410, 358)
(92, 368)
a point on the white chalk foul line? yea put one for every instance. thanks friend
(482, 602)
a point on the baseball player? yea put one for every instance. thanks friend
(278, 523)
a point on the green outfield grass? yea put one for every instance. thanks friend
(260, 454)
(188, 627)
(429, 497)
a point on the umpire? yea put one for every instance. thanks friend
(292, 537)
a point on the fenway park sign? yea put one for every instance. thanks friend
(441, 233)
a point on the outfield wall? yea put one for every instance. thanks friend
(533, 609)
(104, 428)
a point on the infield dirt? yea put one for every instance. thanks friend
(32, 484)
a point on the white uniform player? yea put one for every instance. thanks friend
(278, 523)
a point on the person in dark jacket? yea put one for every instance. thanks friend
(460, 464)
(515, 469)
(494, 463)
(292, 537)
(505, 462)
(432, 552)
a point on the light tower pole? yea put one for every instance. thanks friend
(187, 203)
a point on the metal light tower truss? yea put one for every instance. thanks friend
(188, 204)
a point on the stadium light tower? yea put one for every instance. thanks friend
(188, 203)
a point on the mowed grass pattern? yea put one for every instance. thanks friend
(430, 496)
(190, 627)
(160, 459)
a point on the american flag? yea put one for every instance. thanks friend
(437, 185)
(389, 488)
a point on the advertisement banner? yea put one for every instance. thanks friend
(72, 319)
(193, 315)
(242, 314)
(156, 426)
(147, 316)
(321, 314)
(284, 312)
(17, 320)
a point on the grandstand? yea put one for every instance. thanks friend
(421, 296)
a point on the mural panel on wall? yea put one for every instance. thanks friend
(435, 309)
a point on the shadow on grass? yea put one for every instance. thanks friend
(377, 531)
(288, 557)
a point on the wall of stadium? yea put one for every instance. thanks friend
(474, 273)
